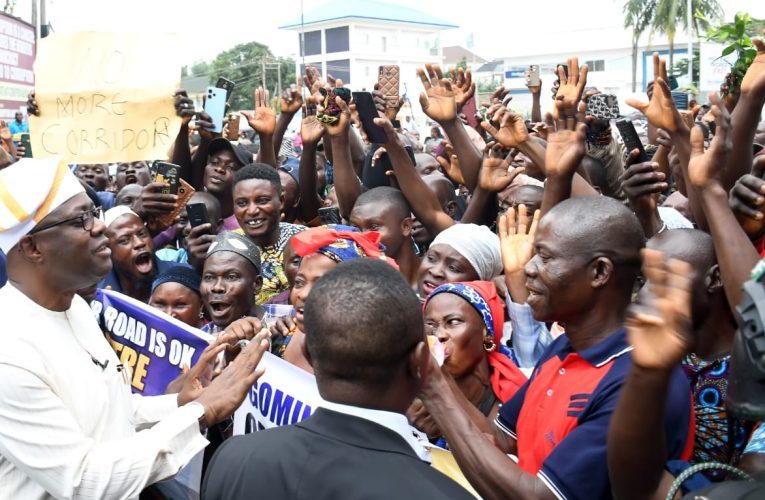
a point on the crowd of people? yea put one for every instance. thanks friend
(553, 311)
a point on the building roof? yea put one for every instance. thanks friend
(335, 10)
(455, 53)
(493, 66)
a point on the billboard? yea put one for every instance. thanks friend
(17, 54)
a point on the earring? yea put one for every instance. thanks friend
(201, 314)
(489, 345)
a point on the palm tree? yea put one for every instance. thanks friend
(670, 14)
(638, 14)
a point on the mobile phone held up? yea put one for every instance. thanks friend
(365, 106)
(167, 173)
(197, 214)
(630, 138)
(532, 76)
(24, 141)
(215, 106)
(227, 85)
(388, 79)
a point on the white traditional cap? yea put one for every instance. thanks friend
(115, 213)
(30, 189)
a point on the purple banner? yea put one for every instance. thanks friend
(152, 345)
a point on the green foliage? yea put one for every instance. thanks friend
(680, 68)
(199, 68)
(738, 37)
(243, 64)
(672, 14)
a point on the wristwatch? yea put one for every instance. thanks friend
(201, 409)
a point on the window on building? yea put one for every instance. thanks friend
(597, 65)
(337, 39)
(311, 43)
(340, 69)
(385, 44)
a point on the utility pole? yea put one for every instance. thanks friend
(263, 72)
(689, 19)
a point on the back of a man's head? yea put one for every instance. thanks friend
(362, 320)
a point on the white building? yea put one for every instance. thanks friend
(350, 40)
(608, 54)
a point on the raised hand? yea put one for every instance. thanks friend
(32, 107)
(184, 107)
(153, 202)
(438, 101)
(226, 392)
(342, 126)
(201, 374)
(263, 120)
(571, 87)
(660, 110)
(706, 168)
(516, 238)
(452, 166)
(311, 130)
(5, 132)
(462, 85)
(747, 199)
(204, 125)
(495, 176)
(565, 147)
(642, 183)
(420, 418)
(291, 101)
(512, 130)
(314, 82)
(659, 330)
(754, 79)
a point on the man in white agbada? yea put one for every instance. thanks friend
(69, 425)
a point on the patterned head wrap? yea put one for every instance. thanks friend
(241, 245)
(340, 243)
(506, 377)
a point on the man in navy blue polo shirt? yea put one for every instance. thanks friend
(587, 257)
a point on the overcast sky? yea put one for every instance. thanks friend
(208, 27)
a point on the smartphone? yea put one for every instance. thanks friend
(197, 214)
(24, 140)
(233, 127)
(603, 106)
(388, 79)
(365, 105)
(329, 215)
(215, 106)
(227, 85)
(169, 174)
(532, 76)
(630, 138)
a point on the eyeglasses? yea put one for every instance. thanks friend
(86, 219)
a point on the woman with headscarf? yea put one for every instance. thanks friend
(462, 252)
(176, 293)
(467, 319)
(321, 249)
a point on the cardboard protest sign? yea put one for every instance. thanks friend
(284, 395)
(150, 344)
(105, 97)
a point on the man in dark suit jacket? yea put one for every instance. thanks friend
(368, 350)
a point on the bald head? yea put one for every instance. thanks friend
(599, 226)
(442, 187)
(385, 199)
(690, 245)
